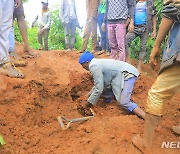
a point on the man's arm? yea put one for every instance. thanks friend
(164, 28)
(131, 14)
(154, 23)
(98, 85)
(34, 21)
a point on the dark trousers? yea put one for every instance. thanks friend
(70, 31)
(45, 34)
(143, 37)
(104, 37)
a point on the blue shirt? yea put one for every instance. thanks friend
(140, 13)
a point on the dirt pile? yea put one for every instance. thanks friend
(55, 83)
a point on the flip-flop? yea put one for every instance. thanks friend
(11, 71)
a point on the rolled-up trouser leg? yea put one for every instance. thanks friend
(165, 87)
(6, 7)
(126, 94)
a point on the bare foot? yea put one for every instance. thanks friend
(138, 143)
(28, 53)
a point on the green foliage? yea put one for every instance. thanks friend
(2, 142)
(56, 36)
(135, 45)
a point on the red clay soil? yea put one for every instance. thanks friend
(54, 85)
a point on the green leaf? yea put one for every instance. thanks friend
(2, 142)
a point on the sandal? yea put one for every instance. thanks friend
(11, 71)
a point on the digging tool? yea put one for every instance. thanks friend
(63, 119)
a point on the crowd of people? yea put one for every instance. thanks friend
(119, 22)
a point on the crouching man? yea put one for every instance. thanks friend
(111, 78)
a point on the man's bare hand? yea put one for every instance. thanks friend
(103, 27)
(154, 57)
(131, 28)
(17, 3)
(153, 35)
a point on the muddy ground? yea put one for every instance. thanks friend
(54, 85)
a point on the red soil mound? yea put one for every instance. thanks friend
(55, 83)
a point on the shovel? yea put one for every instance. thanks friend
(63, 119)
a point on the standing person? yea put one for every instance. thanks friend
(19, 15)
(167, 83)
(44, 23)
(116, 15)
(111, 78)
(69, 19)
(6, 19)
(91, 25)
(104, 37)
(144, 22)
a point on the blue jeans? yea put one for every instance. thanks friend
(104, 37)
(11, 40)
(125, 101)
(125, 95)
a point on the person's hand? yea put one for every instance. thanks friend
(103, 27)
(86, 104)
(17, 3)
(153, 35)
(42, 30)
(154, 57)
(131, 27)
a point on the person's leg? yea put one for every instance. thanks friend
(129, 38)
(142, 52)
(126, 96)
(67, 35)
(94, 34)
(6, 68)
(23, 29)
(46, 34)
(164, 88)
(73, 33)
(120, 37)
(11, 40)
(103, 34)
(87, 33)
(6, 19)
(40, 39)
(112, 40)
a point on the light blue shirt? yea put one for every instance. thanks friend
(140, 13)
(108, 73)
